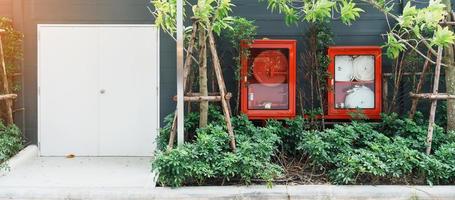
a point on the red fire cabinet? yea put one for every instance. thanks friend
(268, 82)
(355, 82)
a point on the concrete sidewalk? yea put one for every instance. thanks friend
(307, 192)
(52, 172)
(34, 177)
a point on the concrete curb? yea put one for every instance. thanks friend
(306, 192)
(20, 158)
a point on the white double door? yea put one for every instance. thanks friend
(98, 90)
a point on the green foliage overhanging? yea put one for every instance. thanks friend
(242, 30)
(213, 15)
(409, 32)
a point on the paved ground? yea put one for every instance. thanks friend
(51, 172)
(120, 178)
(304, 192)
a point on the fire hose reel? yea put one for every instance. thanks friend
(270, 67)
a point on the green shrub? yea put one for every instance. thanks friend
(414, 130)
(290, 132)
(209, 158)
(10, 143)
(391, 150)
(191, 124)
(440, 167)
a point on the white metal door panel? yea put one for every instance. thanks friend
(99, 90)
(68, 78)
(128, 77)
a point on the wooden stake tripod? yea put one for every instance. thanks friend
(434, 97)
(222, 96)
(4, 89)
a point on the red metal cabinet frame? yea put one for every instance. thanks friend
(344, 113)
(289, 46)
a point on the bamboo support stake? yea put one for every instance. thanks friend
(415, 101)
(203, 98)
(8, 96)
(186, 72)
(5, 88)
(439, 96)
(196, 94)
(222, 88)
(434, 102)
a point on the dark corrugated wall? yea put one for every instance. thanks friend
(366, 31)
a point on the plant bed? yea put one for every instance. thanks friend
(10, 143)
(294, 152)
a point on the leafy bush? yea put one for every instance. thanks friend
(191, 124)
(208, 158)
(290, 132)
(389, 151)
(10, 143)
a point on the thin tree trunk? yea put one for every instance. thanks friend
(312, 91)
(8, 115)
(449, 57)
(385, 93)
(237, 98)
(450, 86)
(321, 100)
(222, 88)
(397, 81)
(415, 101)
(203, 90)
(189, 86)
(434, 102)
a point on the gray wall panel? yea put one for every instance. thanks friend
(6, 8)
(366, 31)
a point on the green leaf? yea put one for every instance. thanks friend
(291, 16)
(318, 10)
(349, 12)
(443, 37)
(409, 15)
(394, 47)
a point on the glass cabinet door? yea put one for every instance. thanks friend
(354, 84)
(268, 79)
